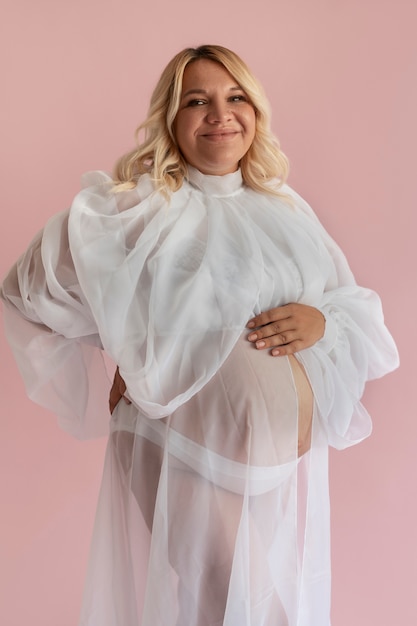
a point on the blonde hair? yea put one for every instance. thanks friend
(159, 154)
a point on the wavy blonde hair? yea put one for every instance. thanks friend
(159, 154)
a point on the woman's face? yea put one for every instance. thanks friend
(215, 123)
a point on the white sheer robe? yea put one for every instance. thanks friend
(214, 503)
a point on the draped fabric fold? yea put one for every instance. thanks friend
(208, 513)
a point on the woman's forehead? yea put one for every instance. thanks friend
(204, 73)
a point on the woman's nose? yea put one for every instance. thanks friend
(219, 112)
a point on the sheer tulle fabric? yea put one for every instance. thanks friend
(214, 505)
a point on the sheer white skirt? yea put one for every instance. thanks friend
(203, 519)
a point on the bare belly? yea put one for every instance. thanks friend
(256, 409)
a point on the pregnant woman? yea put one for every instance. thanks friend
(242, 346)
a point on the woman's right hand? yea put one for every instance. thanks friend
(117, 392)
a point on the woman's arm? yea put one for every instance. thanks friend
(53, 335)
(341, 353)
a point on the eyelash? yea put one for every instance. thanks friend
(199, 102)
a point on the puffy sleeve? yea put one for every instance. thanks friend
(53, 335)
(356, 346)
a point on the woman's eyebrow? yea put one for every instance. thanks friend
(190, 91)
(204, 92)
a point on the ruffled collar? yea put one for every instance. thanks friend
(217, 186)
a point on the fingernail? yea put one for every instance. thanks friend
(260, 344)
(252, 337)
(275, 352)
(250, 324)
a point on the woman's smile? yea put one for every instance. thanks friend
(220, 135)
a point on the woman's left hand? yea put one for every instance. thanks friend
(287, 329)
(117, 392)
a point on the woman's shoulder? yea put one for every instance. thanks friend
(99, 180)
(101, 195)
(95, 178)
(298, 202)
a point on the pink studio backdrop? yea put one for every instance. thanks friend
(341, 78)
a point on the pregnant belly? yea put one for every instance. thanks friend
(257, 409)
(253, 416)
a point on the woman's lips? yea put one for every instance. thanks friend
(220, 135)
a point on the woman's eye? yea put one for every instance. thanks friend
(240, 98)
(196, 102)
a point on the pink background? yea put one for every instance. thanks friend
(341, 76)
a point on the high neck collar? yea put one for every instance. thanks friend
(217, 186)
